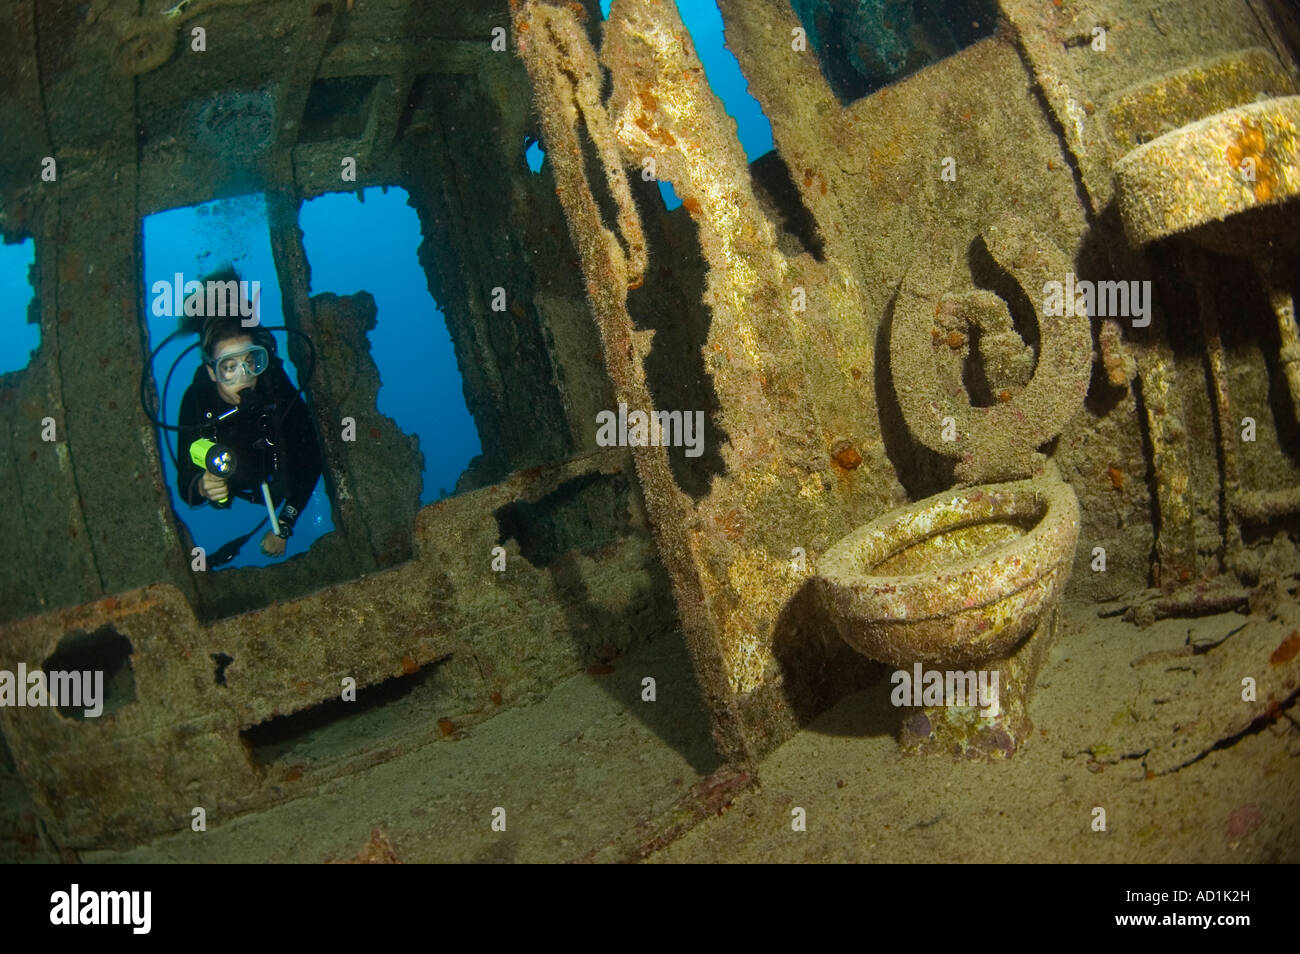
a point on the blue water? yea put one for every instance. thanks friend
(195, 241)
(534, 155)
(19, 339)
(351, 246)
(371, 246)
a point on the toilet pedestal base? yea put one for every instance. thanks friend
(964, 731)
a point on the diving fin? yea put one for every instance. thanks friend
(231, 550)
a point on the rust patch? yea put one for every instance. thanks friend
(846, 455)
(1287, 650)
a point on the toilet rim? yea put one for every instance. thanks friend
(962, 584)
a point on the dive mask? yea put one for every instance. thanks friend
(240, 363)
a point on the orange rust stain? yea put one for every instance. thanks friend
(1250, 146)
(856, 372)
(846, 455)
(692, 205)
(408, 665)
(1287, 650)
(495, 697)
(1004, 395)
(648, 99)
(301, 687)
(446, 726)
(1116, 477)
(823, 185)
(955, 340)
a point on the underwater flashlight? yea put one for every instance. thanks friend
(216, 459)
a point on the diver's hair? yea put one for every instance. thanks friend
(194, 324)
(213, 329)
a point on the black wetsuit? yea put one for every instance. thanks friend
(289, 461)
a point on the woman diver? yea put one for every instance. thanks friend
(242, 400)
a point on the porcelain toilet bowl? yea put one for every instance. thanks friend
(957, 579)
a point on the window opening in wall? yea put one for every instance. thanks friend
(20, 329)
(534, 155)
(864, 45)
(371, 245)
(198, 243)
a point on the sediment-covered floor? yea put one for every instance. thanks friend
(1143, 723)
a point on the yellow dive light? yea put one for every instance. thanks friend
(216, 459)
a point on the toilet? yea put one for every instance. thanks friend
(971, 578)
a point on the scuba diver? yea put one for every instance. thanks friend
(244, 429)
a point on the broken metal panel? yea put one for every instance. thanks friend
(140, 770)
(484, 278)
(23, 129)
(383, 465)
(344, 383)
(47, 552)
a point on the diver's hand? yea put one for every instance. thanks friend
(273, 545)
(214, 488)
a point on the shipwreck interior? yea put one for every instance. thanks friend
(996, 366)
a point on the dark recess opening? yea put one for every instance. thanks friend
(105, 650)
(585, 513)
(988, 275)
(863, 46)
(336, 108)
(222, 661)
(343, 726)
